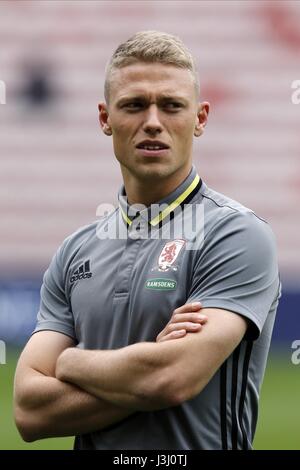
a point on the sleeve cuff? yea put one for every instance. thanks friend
(255, 326)
(60, 327)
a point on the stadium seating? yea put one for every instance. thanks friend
(56, 166)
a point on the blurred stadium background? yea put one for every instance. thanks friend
(53, 156)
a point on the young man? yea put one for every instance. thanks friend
(145, 375)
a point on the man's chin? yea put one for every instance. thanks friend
(154, 169)
(153, 172)
(151, 169)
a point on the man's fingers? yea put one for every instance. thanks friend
(191, 317)
(191, 307)
(189, 326)
(176, 327)
(173, 335)
(185, 319)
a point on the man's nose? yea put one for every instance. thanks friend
(152, 122)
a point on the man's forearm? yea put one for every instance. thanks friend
(53, 408)
(142, 376)
(136, 376)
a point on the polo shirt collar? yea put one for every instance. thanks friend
(159, 211)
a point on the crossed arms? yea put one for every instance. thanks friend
(61, 390)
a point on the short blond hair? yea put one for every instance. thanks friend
(151, 46)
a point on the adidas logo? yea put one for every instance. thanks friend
(83, 272)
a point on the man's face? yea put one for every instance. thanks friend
(153, 115)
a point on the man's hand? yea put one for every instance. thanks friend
(185, 319)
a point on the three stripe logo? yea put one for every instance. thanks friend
(83, 272)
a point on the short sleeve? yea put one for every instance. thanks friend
(55, 311)
(237, 269)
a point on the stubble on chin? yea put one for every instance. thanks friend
(152, 171)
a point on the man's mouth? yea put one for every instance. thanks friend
(152, 148)
(152, 145)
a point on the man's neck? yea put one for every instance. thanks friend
(148, 191)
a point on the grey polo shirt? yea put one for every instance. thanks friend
(110, 284)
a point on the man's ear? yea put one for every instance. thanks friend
(202, 117)
(104, 119)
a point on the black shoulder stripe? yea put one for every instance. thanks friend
(234, 429)
(243, 391)
(223, 400)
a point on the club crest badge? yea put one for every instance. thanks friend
(169, 254)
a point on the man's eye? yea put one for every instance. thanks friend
(173, 105)
(133, 105)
